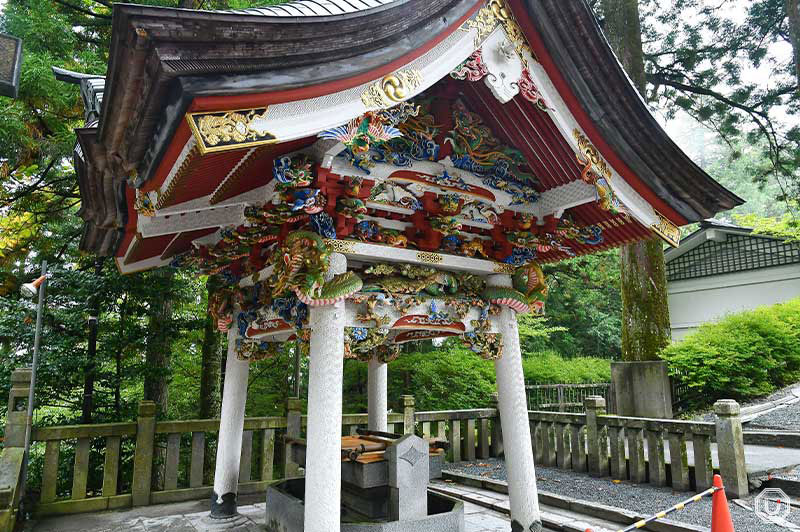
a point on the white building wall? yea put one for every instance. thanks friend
(693, 302)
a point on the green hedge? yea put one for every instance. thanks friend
(548, 367)
(742, 356)
(452, 377)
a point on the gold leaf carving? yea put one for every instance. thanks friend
(231, 129)
(392, 89)
(497, 12)
(340, 246)
(590, 159)
(501, 267)
(430, 258)
(667, 230)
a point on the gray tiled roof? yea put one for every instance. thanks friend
(312, 8)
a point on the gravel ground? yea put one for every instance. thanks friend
(640, 498)
(794, 474)
(792, 414)
(786, 418)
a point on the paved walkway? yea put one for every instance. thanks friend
(187, 517)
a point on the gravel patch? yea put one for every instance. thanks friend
(786, 418)
(794, 475)
(640, 498)
(779, 394)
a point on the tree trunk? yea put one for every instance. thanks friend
(210, 366)
(645, 314)
(90, 369)
(793, 14)
(159, 341)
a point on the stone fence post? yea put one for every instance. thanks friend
(17, 413)
(730, 448)
(497, 430)
(408, 413)
(596, 436)
(13, 455)
(143, 455)
(293, 431)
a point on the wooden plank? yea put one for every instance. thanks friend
(173, 459)
(267, 454)
(111, 466)
(246, 458)
(483, 438)
(80, 473)
(50, 472)
(196, 467)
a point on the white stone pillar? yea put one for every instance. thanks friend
(324, 432)
(377, 406)
(229, 448)
(513, 408)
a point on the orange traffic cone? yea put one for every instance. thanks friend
(720, 513)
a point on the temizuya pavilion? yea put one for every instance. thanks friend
(366, 173)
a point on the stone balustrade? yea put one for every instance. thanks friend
(87, 467)
(630, 448)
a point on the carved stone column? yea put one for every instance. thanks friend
(377, 405)
(234, 397)
(323, 436)
(513, 408)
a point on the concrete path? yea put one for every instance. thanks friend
(187, 517)
(478, 499)
(760, 459)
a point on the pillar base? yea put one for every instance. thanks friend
(235, 522)
(536, 526)
(225, 509)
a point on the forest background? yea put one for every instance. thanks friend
(722, 76)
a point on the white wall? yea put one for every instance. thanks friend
(696, 301)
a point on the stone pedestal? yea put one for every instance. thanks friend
(642, 389)
(409, 472)
(231, 426)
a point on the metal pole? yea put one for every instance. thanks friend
(34, 364)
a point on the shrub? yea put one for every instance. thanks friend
(742, 356)
(548, 367)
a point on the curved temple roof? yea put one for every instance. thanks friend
(304, 67)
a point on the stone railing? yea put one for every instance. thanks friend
(87, 468)
(118, 465)
(628, 448)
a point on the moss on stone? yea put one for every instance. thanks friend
(645, 312)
